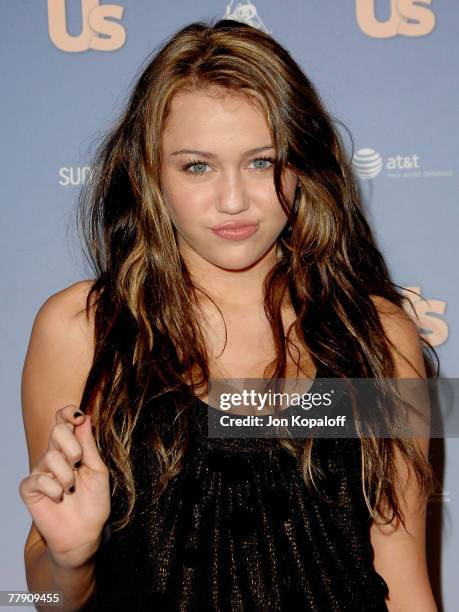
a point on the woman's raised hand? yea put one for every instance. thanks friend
(68, 491)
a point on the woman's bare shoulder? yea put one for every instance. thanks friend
(60, 350)
(62, 340)
(64, 312)
(68, 302)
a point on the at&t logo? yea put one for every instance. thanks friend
(367, 163)
(96, 19)
(407, 18)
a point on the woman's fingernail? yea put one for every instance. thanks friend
(71, 489)
(77, 414)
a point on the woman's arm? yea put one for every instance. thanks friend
(43, 574)
(400, 557)
(58, 359)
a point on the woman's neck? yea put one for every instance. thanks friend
(228, 288)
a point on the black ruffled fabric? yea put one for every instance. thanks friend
(237, 530)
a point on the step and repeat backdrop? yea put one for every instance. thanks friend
(386, 69)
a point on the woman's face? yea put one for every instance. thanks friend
(218, 168)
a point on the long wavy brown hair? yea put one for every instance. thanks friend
(147, 336)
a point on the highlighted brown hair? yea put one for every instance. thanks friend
(147, 335)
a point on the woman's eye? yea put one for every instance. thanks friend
(264, 161)
(199, 167)
(195, 167)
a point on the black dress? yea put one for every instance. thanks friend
(237, 530)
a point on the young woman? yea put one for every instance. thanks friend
(134, 507)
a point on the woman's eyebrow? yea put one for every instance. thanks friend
(213, 156)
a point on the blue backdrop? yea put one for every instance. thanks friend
(386, 68)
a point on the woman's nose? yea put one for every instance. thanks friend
(232, 196)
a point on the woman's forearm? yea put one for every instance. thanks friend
(77, 585)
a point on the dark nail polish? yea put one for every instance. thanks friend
(71, 489)
(77, 465)
(77, 414)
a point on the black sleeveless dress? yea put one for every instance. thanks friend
(238, 530)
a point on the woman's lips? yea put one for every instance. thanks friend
(237, 233)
